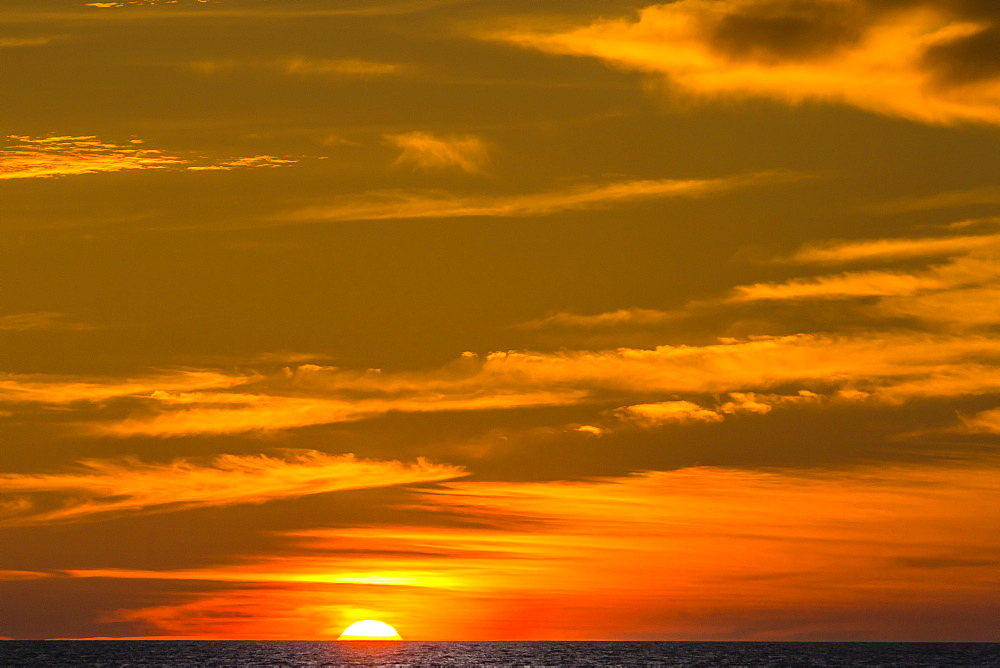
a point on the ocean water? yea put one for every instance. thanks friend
(210, 653)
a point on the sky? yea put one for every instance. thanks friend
(548, 319)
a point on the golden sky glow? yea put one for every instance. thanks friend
(564, 320)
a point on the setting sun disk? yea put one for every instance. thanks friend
(369, 629)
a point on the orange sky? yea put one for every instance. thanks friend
(522, 320)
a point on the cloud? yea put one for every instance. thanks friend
(20, 42)
(58, 390)
(972, 307)
(388, 204)
(222, 413)
(39, 320)
(976, 262)
(254, 161)
(650, 415)
(426, 152)
(102, 488)
(959, 290)
(954, 198)
(886, 367)
(655, 415)
(984, 422)
(56, 156)
(933, 62)
(140, 3)
(947, 350)
(891, 249)
(345, 67)
(630, 317)
(651, 548)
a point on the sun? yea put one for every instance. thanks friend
(369, 629)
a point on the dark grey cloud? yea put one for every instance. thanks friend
(783, 29)
(967, 60)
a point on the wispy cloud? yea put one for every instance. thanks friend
(426, 152)
(21, 42)
(101, 488)
(224, 413)
(50, 389)
(387, 204)
(954, 198)
(891, 249)
(39, 320)
(254, 161)
(28, 157)
(975, 261)
(299, 65)
(987, 422)
(632, 317)
(921, 60)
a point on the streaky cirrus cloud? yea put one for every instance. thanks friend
(953, 198)
(426, 152)
(56, 156)
(641, 546)
(630, 317)
(300, 65)
(927, 61)
(58, 390)
(40, 320)
(841, 252)
(950, 279)
(105, 488)
(226, 413)
(140, 3)
(402, 204)
(20, 42)
(974, 261)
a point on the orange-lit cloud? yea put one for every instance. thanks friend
(349, 67)
(890, 368)
(222, 413)
(19, 42)
(697, 552)
(892, 249)
(39, 320)
(63, 156)
(987, 195)
(925, 61)
(956, 299)
(975, 262)
(387, 204)
(39, 388)
(105, 487)
(255, 161)
(128, 3)
(424, 151)
(676, 412)
(665, 412)
(28, 157)
(987, 422)
(622, 317)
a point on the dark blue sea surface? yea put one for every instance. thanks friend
(122, 653)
